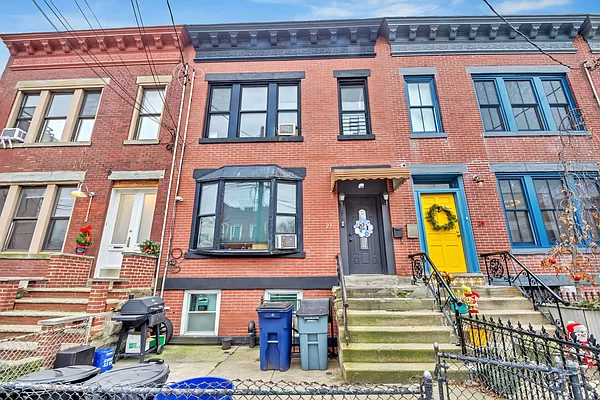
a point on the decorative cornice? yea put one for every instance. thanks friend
(589, 30)
(484, 34)
(280, 40)
(158, 38)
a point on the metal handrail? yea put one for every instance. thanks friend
(419, 273)
(345, 305)
(496, 266)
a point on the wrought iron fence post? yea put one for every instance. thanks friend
(573, 378)
(459, 329)
(428, 385)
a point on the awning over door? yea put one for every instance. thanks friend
(398, 175)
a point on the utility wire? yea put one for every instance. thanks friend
(176, 34)
(148, 53)
(525, 37)
(136, 106)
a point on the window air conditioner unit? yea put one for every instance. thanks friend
(10, 135)
(286, 242)
(286, 129)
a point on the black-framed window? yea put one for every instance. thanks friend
(87, 116)
(28, 106)
(253, 110)
(254, 213)
(56, 117)
(354, 107)
(25, 218)
(59, 221)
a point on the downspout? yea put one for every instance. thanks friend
(183, 146)
(162, 235)
(589, 78)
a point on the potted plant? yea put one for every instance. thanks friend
(83, 240)
(149, 247)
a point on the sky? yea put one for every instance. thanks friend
(23, 16)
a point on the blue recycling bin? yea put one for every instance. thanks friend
(275, 324)
(203, 382)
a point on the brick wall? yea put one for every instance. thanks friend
(69, 270)
(24, 267)
(139, 268)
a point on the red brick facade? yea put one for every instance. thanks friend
(69, 270)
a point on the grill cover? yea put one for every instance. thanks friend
(143, 306)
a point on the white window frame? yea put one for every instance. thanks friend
(297, 292)
(185, 313)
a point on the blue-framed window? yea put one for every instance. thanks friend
(525, 103)
(423, 106)
(253, 110)
(534, 204)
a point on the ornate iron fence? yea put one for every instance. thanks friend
(505, 269)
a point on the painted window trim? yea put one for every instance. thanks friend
(185, 314)
(270, 251)
(537, 222)
(355, 81)
(234, 111)
(430, 79)
(549, 128)
(43, 220)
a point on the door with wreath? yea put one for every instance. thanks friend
(442, 232)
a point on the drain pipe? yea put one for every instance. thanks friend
(162, 234)
(589, 78)
(183, 146)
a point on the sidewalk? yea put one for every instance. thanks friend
(190, 361)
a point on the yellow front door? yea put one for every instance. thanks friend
(444, 247)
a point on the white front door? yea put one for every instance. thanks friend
(128, 223)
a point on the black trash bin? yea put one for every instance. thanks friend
(153, 373)
(66, 375)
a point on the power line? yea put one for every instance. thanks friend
(136, 106)
(525, 37)
(153, 72)
(175, 30)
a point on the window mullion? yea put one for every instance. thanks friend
(271, 109)
(506, 105)
(546, 110)
(219, 214)
(536, 213)
(234, 110)
(273, 214)
(43, 218)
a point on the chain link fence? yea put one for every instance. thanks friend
(21, 355)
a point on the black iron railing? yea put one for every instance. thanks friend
(504, 268)
(345, 305)
(425, 271)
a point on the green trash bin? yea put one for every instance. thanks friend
(312, 328)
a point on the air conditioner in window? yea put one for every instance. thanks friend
(286, 129)
(10, 135)
(286, 242)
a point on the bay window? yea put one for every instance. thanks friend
(245, 209)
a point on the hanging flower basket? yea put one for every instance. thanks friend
(83, 240)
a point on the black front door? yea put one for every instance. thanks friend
(365, 247)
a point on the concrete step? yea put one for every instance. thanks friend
(31, 317)
(504, 303)
(18, 330)
(493, 291)
(392, 352)
(403, 291)
(398, 334)
(393, 318)
(381, 281)
(390, 304)
(393, 372)
(524, 316)
(52, 304)
(71, 293)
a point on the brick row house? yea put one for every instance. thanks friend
(304, 140)
(91, 126)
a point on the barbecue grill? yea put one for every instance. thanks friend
(143, 313)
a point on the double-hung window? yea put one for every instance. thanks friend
(423, 104)
(3, 197)
(201, 312)
(25, 219)
(59, 220)
(87, 117)
(28, 106)
(56, 117)
(150, 113)
(534, 208)
(253, 111)
(525, 103)
(254, 209)
(354, 107)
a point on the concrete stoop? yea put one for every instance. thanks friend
(393, 325)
